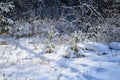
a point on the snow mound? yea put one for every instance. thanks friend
(97, 47)
(3, 42)
(114, 45)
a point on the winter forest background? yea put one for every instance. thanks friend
(99, 20)
(76, 39)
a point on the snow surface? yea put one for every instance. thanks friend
(27, 62)
(114, 45)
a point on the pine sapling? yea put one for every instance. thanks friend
(74, 51)
(50, 46)
(75, 47)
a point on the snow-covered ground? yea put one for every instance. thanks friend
(27, 62)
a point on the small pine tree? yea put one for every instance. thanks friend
(50, 45)
(4, 21)
(75, 47)
(74, 51)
